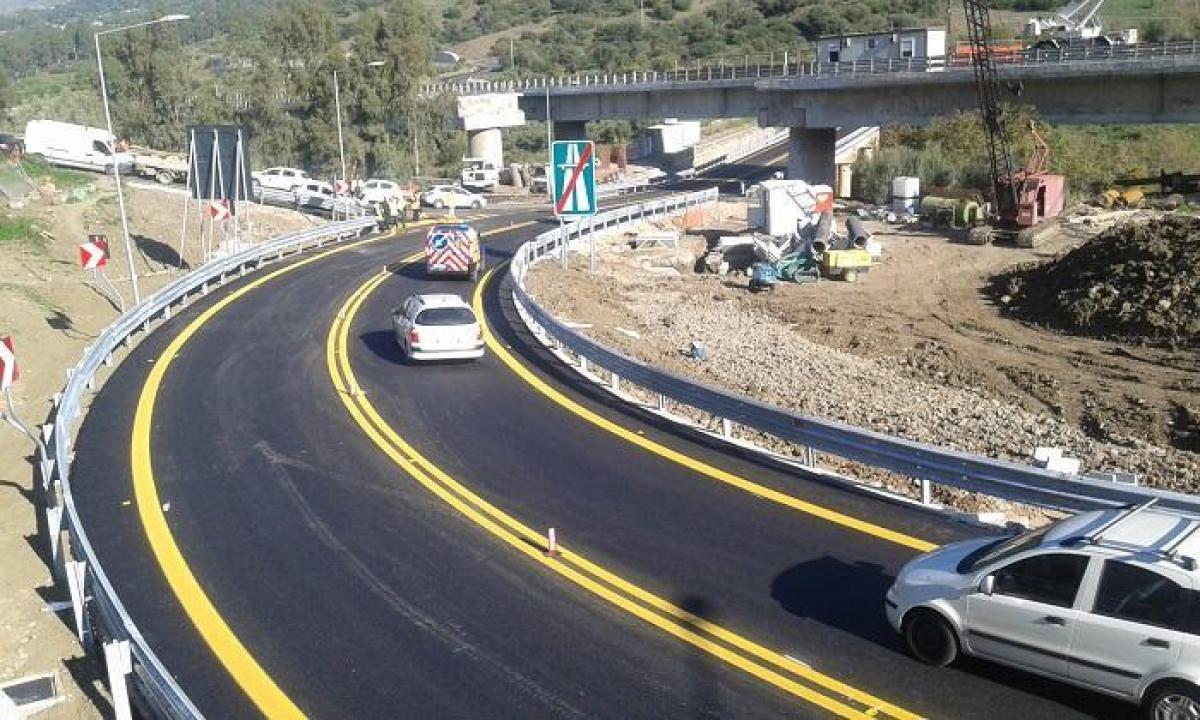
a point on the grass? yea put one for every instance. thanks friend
(63, 179)
(21, 233)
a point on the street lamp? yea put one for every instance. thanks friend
(113, 139)
(337, 101)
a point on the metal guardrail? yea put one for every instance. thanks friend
(101, 617)
(704, 71)
(920, 461)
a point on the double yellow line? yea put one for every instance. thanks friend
(763, 663)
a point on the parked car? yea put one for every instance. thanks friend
(441, 196)
(75, 146)
(314, 194)
(277, 178)
(437, 327)
(377, 191)
(1108, 600)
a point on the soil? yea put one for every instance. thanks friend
(1139, 281)
(52, 309)
(916, 348)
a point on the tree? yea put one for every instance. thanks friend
(146, 73)
(5, 95)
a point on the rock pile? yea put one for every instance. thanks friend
(1136, 281)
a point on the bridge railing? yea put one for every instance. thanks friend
(706, 71)
(927, 464)
(102, 620)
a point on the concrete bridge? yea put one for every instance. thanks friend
(1145, 83)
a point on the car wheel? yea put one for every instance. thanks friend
(1172, 701)
(478, 204)
(930, 638)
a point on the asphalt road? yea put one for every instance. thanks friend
(362, 594)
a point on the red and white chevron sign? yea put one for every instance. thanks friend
(8, 363)
(93, 254)
(219, 209)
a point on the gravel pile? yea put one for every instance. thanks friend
(757, 355)
(1136, 281)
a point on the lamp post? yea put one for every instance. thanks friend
(337, 101)
(113, 139)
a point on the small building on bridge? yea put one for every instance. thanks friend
(891, 45)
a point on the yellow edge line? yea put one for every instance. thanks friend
(217, 634)
(680, 458)
(528, 541)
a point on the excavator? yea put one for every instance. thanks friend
(1024, 200)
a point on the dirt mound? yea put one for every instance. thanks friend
(1138, 282)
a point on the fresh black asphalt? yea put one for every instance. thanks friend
(363, 595)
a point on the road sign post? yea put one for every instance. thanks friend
(9, 375)
(573, 168)
(93, 255)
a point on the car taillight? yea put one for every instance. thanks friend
(478, 334)
(413, 337)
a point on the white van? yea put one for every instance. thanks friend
(75, 146)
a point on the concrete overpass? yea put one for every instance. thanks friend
(1145, 83)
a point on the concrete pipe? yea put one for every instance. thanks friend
(824, 227)
(856, 232)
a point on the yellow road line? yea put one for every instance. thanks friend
(216, 633)
(699, 466)
(669, 618)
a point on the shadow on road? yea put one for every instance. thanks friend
(701, 666)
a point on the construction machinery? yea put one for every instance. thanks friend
(1024, 200)
(1077, 24)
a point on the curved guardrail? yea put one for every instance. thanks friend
(920, 461)
(721, 69)
(101, 618)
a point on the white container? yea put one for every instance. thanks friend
(906, 187)
(874, 248)
(904, 205)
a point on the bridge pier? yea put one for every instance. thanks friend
(811, 155)
(486, 143)
(570, 130)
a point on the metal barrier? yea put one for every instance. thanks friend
(1186, 52)
(101, 619)
(926, 463)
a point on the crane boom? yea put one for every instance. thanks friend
(987, 87)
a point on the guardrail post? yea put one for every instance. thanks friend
(119, 661)
(76, 584)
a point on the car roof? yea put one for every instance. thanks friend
(441, 300)
(1153, 530)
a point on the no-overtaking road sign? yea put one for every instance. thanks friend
(8, 363)
(574, 172)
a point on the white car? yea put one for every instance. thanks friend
(442, 196)
(277, 178)
(376, 191)
(1108, 600)
(313, 194)
(437, 327)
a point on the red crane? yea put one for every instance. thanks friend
(1024, 199)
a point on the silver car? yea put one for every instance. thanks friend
(1107, 600)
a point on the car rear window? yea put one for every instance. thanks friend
(445, 316)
